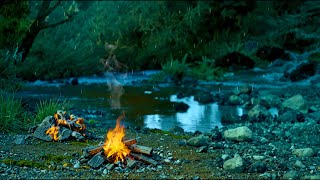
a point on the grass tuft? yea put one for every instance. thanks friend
(12, 114)
(49, 107)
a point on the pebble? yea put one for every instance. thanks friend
(299, 164)
(105, 171)
(76, 165)
(258, 158)
(177, 162)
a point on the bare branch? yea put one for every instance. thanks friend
(57, 23)
(44, 7)
(50, 9)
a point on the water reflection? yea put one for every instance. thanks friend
(198, 117)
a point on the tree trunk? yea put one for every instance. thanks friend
(28, 40)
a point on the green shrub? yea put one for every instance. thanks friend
(176, 67)
(205, 70)
(12, 114)
(49, 107)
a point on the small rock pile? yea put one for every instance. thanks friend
(60, 127)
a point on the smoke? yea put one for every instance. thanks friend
(111, 64)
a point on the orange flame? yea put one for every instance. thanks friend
(53, 132)
(114, 146)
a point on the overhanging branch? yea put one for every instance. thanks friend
(50, 9)
(57, 23)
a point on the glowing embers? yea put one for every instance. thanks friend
(117, 151)
(61, 126)
(114, 147)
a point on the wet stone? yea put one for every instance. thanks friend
(40, 132)
(20, 139)
(258, 167)
(96, 161)
(131, 163)
(77, 135)
(110, 167)
(64, 133)
(202, 149)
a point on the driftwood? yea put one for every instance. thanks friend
(144, 159)
(141, 149)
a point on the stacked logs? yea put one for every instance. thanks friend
(97, 157)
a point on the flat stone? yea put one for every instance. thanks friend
(64, 133)
(96, 160)
(198, 141)
(298, 164)
(303, 152)
(242, 133)
(202, 149)
(110, 167)
(77, 135)
(20, 139)
(40, 132)
(291, 175)
(131, 163)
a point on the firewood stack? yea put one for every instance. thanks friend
(60, 127)
(138, 153)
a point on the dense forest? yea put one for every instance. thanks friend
(217, 89)
(70, 39)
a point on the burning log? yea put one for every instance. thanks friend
(144, 159)
(130, 142)
(141, 149)
(91, 150)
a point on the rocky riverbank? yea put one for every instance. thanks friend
(264, 145)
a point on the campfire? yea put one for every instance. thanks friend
(117, 151)
(61, 126)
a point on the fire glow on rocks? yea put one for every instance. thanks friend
(61, 126)
(117, 151)
(114, 147)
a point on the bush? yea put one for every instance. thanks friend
(12, 114)
(176, 68)
(49, 107)
(206, 70)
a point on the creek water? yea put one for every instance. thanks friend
(103, 98)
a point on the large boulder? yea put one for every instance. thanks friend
(296, 103)
(288, 116)
(303, 71)
(297, 42)
(270, 100)
(258, 114)
(235, 61)
(270, 53)
(238, 134)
